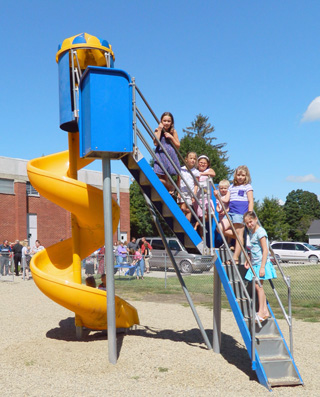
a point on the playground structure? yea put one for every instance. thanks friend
(98, 110)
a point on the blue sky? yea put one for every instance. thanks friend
(253, 67)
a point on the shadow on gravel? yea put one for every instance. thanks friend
(231, 350)
(67, 332)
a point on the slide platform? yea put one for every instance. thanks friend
(52, 269)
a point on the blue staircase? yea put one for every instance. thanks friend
(273, 362)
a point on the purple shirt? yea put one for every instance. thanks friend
(122, 251)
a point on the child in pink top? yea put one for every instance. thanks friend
(138, 261)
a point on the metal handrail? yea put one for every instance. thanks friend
(150, 132)
(288, 317)
(243, 250)
(155, 138)
(151, 152)
(158, 121)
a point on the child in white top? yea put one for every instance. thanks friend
(225, 198)
(191, 161)
(241, 201)
(205, 173)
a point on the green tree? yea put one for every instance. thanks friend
(301, 208)
(200, 128)
(141, 222)
(197, 140)
(273, 218)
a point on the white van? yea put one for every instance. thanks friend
(186, 262)
(295, 251)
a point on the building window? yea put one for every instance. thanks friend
(6, 186)
(31, 191)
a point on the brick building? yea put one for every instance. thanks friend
(26, 214)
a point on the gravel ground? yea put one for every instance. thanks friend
(165, 355)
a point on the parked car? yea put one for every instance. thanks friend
(186, 261)
(295, 251)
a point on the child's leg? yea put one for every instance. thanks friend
(186, 211)
(147, 265)
(164, 179)
(263, 308)
(226, 228)
(137, 269)
(239, 230)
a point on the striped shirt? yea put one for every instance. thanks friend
(239, 203)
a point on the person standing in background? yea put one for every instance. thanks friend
(5, 257)
(17, 251)
(145, 251)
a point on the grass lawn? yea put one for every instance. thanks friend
(304, 291)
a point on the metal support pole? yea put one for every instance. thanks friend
(118, 201)
(253, 324)
(134, 115)
(216, 340)
(290, 314)
(107, 215)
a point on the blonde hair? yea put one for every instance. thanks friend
(245, 169)
(186, 158)
(224, 182)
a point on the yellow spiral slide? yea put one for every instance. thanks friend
(57, 270)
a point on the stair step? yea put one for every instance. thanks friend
(155, 196)
(177, 228)
(279, 369)
(287, 381)
(166, 211)
(132, 164)
(244, 306)
(270, 349)
(277, 357)
(144, 181)
(268, 337)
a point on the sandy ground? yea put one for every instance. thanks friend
(40, 355)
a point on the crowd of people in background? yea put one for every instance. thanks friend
(133, 257)
(18, 253)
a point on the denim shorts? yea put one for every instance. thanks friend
(236, 218)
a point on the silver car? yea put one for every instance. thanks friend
(186, 261)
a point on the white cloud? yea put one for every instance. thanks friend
(280, 202)
(303, 179)
(313, 111)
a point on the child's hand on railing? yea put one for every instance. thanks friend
(246, 265)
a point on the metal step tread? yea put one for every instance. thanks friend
(286, 381)
(275, 358)
(268, 336)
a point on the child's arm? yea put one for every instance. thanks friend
(195, 190)
(264, 247)
(209, 172)
(173, 137)
(250, 200)
(157, 133)
(225, 199)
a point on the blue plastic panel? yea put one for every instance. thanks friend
(105, 116)
(67, 119)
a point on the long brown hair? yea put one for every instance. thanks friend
(172, 119)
